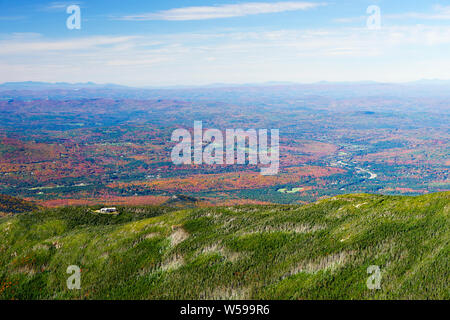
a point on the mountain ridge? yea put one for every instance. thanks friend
(316, 251)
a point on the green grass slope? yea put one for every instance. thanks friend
(317, 251)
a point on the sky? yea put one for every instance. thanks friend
(196, 42)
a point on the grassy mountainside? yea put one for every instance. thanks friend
(317, 251)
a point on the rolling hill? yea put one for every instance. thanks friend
(316, 251)
(11, 205)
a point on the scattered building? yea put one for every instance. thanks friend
(109, 210)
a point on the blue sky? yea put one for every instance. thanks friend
(159, 43)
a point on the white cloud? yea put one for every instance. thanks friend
(391, 54)
(136, 62)
(58, 6)
(20, 46)
(223, 11)
(439, 13)
(351, 19)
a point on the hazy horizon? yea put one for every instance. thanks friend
(212, 84)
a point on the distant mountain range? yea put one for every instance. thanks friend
(34, 85)
(30, 90)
